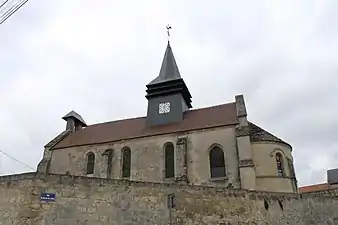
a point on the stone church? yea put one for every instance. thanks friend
(176, 165)
(215, 146)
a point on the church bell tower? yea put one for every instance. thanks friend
(168, 96)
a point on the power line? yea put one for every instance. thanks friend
(4, 3)
(12, 10)
(16, 160)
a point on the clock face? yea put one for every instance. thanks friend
(164, 107)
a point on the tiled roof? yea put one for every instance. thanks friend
(215, 116)
(221, 115)
(259, 134)
(57, 139)
(316, 187)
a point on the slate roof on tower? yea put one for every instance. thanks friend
(169, 80)
(168, 95)
(169, 69)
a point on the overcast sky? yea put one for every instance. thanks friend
(96, 58)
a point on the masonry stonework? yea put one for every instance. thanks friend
(148, 157)
(249, 165)
(81, 200)
(265, 163)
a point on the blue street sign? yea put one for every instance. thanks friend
(48, 197)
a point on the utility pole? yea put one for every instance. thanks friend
(9, 7)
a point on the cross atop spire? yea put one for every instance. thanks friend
(168, 32)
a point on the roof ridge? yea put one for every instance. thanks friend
(118, 120)
(212, 106)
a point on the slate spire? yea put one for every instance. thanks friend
(168, 95)
(169, 82)
(169, 69)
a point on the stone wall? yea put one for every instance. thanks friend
(94, 201)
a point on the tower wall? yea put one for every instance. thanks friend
(174, 115)
(168, 96)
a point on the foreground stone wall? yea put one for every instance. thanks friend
(94, 201)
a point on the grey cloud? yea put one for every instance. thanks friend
(281, 57)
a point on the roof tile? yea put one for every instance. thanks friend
(259, 134)
(313, 188)
(214, 116)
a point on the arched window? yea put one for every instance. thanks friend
(169, 162)
(126, 162)
(90, 163)
(279, 163)
(109, 163)
(217, 164)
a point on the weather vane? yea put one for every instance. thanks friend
(168, 31)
